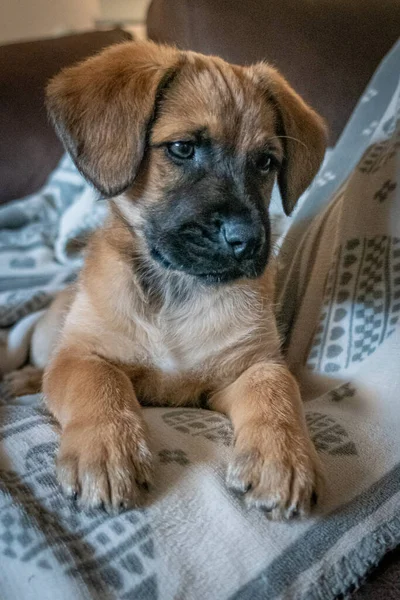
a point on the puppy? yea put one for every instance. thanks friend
(174, 305)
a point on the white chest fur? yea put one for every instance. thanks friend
(212, 335)
(182, 338)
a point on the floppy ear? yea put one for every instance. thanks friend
(102, 107)
(304, 136)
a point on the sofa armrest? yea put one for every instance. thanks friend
(29, 148)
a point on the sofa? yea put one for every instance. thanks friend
(29, 148)
(327, 50)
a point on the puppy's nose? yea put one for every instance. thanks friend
(240, 237)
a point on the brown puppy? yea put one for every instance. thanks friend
(175, 302)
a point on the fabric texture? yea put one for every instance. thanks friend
(42, 238)
(340, 307)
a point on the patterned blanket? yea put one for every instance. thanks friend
(340, 307)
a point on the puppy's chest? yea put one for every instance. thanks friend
(179, 345)
(178, 354)
(187, 355)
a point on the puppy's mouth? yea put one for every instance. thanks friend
(249, 269)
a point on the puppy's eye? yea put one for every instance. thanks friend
(264, 162)
(181, 150)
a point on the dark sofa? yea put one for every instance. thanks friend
(29, 147)
(327, 49)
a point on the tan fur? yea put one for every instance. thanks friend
(47, 330)
(27, 380)
(123, 342)
(275, 464)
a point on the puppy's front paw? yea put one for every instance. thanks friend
(107, 465)
(276, 472)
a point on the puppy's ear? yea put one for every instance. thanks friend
(103, 106)
(304, 135)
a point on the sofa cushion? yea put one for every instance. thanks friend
(29, 148)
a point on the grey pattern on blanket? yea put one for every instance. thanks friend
(362, 303)
(41, 241)
(109, 553)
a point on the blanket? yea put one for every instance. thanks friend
(339, 299)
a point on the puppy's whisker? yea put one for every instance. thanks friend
(289, 137)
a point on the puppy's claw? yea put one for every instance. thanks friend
(293, 512)
(268, 507)
(283, 487)
(145, 485)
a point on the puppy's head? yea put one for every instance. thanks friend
(195, 144)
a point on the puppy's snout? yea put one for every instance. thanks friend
(240, 237)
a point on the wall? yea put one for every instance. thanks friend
(30, 19)
(133, 11)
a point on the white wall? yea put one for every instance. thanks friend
(124, 10)
(30, 19)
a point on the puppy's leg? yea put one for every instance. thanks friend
(104, 456)
(274, 462)
(27, 380)
(47, 331)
